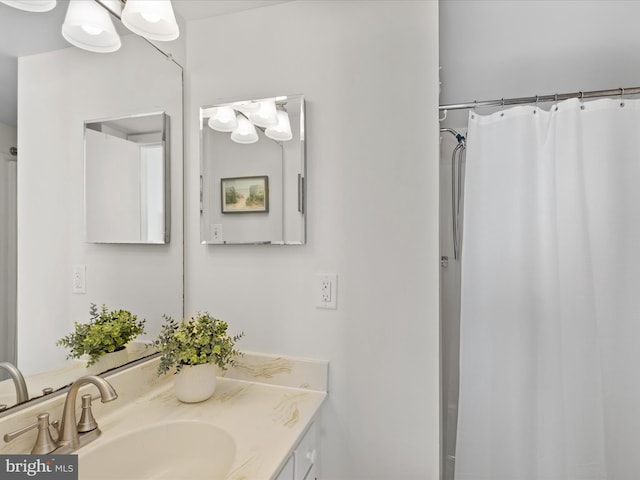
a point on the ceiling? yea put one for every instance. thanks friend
(25, 33)
(194, 9)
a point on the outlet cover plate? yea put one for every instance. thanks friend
(327, 291)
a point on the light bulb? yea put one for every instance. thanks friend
(91, 30)
(150, 17)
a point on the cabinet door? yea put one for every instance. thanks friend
(305, 454)
(287, 471)
(312, 474)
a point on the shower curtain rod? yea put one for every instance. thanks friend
(556, 97)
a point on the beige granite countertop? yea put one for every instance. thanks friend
(266, 403)
(65, 374)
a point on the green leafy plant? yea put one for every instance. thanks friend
(104, 333)
(199, 340)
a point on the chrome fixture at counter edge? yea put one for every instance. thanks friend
(69, 438)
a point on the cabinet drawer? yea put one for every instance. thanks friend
(306, 453)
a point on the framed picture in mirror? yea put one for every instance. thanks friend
(245, 194)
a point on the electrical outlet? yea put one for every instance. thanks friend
(79, 275)
(327, 291)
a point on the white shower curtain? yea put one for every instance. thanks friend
(550, 314)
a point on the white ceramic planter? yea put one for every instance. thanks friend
(195, 383)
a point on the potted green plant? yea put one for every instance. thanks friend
(193, 348)
(106, 332)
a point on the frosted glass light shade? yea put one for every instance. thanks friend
(152, 19)
(88, 26)
(223, 119)
(245, 132)
(31, 5)
(266, 114)
(282, 131)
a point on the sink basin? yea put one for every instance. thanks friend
(173, 450)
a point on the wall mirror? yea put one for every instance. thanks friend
(127, 184)
(252, 172)
(144, 279)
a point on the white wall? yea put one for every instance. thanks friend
(146, 279)
(368, 71)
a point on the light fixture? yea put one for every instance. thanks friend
(88, 26)
(223, 119)
(266, 114)
(243, 118)
(245, 132)
(282, 131)
(31, 5)
(152, 19)
(247, 107)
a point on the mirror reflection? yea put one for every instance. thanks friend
(127, 190)
(8, 233)
(49, 179)
(253, 172)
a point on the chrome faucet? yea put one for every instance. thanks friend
(69, 440)
(22, 395)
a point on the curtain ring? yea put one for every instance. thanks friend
(473, 110)
(621, 94)
(581, 100)
(502, 110)
(535, 108)
(556, 100)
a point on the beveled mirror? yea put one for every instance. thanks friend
(252, 172)
(127, 185)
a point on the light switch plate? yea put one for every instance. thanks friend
(79, 279)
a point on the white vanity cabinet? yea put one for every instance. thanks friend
(287, 471)
(302, 463)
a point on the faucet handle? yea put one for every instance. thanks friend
(44, 442)
(87, 421)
